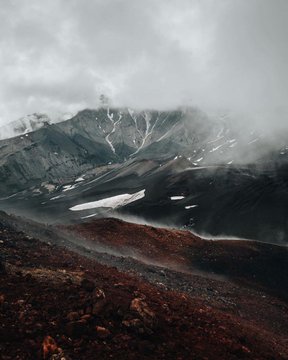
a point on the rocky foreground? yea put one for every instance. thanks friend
(59, 304)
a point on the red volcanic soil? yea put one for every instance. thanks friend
(56, 304)
(246, 262)
(147, 242)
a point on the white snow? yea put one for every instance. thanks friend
(167, 133)
(252, 141)
(68, 187)
(177, 197)
(131, 112)
(148, 130)
(190, 206)
(232, 145)
(111, 202)
(80, 179)
(110, 117)
(220, 133)
(230, 162)
(212, 141)
(216, 148)
(88, 216)
(56, 197)
(198, 160)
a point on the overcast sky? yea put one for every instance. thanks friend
(60, 55)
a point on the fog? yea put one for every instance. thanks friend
(60, 56)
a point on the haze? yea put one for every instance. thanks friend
(59, 56)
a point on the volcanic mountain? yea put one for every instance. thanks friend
(191, 171)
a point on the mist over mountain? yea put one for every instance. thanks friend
(143, 179)
(61, 151)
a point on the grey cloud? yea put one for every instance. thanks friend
(62, 54)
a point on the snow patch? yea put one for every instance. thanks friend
(88, 216)
(252, 141)
(111, 202)
(81, 178)
(56, 197)
(68, 187)
(191, 206)
(177, 197)
(216, 148)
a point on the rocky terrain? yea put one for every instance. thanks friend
(63, 299)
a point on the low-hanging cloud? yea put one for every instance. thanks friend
(62, 54)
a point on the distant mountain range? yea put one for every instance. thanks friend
(190, 170)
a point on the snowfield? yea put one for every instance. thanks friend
(111, 202)
(173, 198)
(190, 206)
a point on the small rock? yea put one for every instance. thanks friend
(118, 285)
(134, 323)
(86, 317)
(141, 308)
(98, 294)
(49, 347)
(72, 316)
(102, 332)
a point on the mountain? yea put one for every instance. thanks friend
(178, 168)
(57, 153)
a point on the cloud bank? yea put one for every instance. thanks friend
(60, 55)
